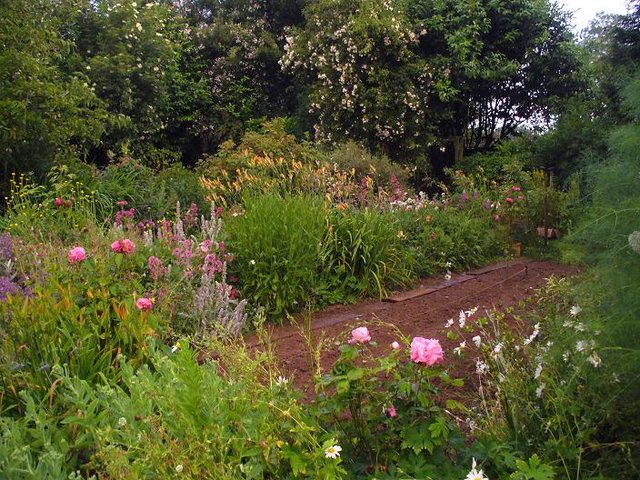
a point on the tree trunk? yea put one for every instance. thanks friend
(458, 149)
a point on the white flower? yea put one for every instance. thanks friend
(175, 348)
(594, 359)
(477, 340)
(459, 348)
(139, 26)
(538, 371)
(462, 319)
(252, 262)
(471, 311)
(179, 468)
(481, 367)
(534, 334)
(449, 323)
(332, 451)
(475, 474)
(498, 348)
(540, 389)
(575, 310)
(447, 277)
(122, 422)
(634, 241)
(281, 381)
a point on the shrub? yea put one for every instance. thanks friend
(351, 155)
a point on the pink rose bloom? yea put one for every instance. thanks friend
(426, 350)
(76, 255)
(395, 345)
(360, 335)
(144, 304)
(509, 200)
(122, 203)
(515, 188)
(391, 411)
(57, 202)
(124, 246)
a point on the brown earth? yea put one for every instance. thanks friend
(419, 312)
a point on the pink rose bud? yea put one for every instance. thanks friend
(122, 203)
(392, 412)
(395, 345)
(515, 188)
(76, 255)
(57, 202)
(360, 335)
(426, 351)
(144, 304)
(509, 200)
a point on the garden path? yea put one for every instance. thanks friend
(422, 311)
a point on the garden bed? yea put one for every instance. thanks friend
(423, 315)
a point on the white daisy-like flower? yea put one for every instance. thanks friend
(281, 381)
(447, 277)
(474, 473)
(252, 262)
(449, 323)
(575, 310)
(122, 422)
(540, 389)
(139, 26)
(477, 340)
(459, 348)
(333, 451)
(179, 468)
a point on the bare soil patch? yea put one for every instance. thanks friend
(422, 311)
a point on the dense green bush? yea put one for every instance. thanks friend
(171, 417)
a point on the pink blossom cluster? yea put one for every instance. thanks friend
(124, 246)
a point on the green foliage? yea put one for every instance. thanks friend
(240, 429)
(500, 164)
(157, 421)
(361, 255)
(276, 245)
(350, 155)
(271, 140)
(45, 112)
(440, 240)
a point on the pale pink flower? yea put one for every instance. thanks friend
(144, 304)
(395, 345)
(509, 200)
(76, 255)
(391, 411)
(360, 335)
(427, 351)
